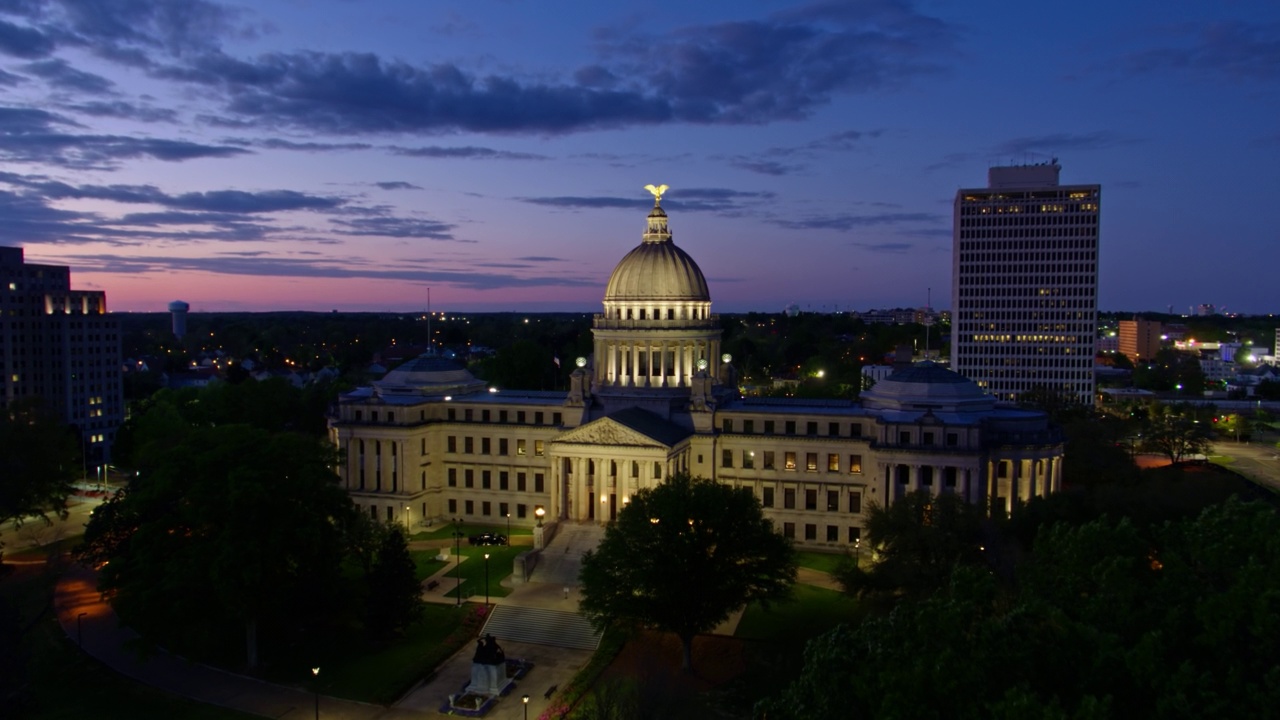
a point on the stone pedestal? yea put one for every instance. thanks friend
(538, 541)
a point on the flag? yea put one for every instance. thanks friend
(556, 359)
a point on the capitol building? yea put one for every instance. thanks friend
(430, 442)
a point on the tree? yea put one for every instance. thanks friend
(230, 525)
(395, 595)
(39, 457)
(1176, 435)
(916, 542)
(684, 555)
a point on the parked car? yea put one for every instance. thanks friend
(488, 539)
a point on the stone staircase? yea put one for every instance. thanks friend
(541, 627)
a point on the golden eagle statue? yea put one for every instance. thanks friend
(657, 191)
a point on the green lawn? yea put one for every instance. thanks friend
(426, 563)
(812, 612)
(501, 560)
(445, 531)
(383, 673)
(824, 562)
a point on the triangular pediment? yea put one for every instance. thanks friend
(607, 431)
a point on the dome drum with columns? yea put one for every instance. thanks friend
(429, 442)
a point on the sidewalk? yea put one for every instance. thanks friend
(87, 618)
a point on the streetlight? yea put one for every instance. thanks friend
(604, 503)
(486, 579)
(407, 524)
(525, 699)
(457, 551)
(508, 529)
(857, 552)
(315, 674)
(539, 512)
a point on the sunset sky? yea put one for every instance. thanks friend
(338, 154)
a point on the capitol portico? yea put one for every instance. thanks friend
(429, 441)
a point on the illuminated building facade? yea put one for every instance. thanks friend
(1140, 339)
(1025, 283)
(61, 346)
(431, 442)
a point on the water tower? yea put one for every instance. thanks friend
(178, 310)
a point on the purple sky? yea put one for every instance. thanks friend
(318, 154)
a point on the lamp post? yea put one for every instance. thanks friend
(508, 529)
(407, 524)
(486, 579)
(525, 699)
(857, 552)
(315, 674)
(457, 551)
(539, 512)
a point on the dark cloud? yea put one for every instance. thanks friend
(718, 200)
(782, 67)
(469, 152)
(30, 135)
(1236, 49)
(420, 271)
(893, 248)
(846, 221)
(124, 110)
(540, 258)
(29, 220)
(61, 76)
(397, 185)
(24, 42)
(386, 226)
(11, 80)
(765, 167)
(278, 144)
(239, 201)
(1050, 145)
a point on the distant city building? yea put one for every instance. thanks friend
(178, 310)
(1108, 344)
(1025, 283)
(1140, 339)
(61, 346)
(1206, 309)
(431, 442)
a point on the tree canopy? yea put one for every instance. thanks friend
(1106, 620)
(916, 542)
(1176, 433)
(39, 458)
(684, 555)
(226, 525)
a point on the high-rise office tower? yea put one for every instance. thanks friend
(1024, 283)
(61, 346)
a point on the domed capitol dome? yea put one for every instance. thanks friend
(657, 330)
(657, 269)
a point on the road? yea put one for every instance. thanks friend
(1258, 461)
(36, 533)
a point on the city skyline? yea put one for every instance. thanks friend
(343, 155)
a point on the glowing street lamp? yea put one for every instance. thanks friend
(508, 529)
(525, 699)
(486, 579)
(315, 674)
(539, 512)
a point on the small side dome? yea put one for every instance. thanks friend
(429, 375)
(927, 385)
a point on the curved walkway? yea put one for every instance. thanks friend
(89, 620)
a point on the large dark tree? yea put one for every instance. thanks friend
(226, 526)
(395, 596)
(39, 457)
(915, 543)
(682, 556)
(1176, 433)
(1106, 620)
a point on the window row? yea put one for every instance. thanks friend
(504, 480)
(789, 427)
(768, 459)
(853, 535)
(486, 446)
(503, 416)
(486, 509)
(831, 499)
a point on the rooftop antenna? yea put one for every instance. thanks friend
(431, 344)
